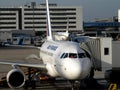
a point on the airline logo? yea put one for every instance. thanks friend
(52, 47)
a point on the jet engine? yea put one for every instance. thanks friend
(15, 78)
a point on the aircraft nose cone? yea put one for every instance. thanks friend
(73, 70)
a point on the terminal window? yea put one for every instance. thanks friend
(106, 51)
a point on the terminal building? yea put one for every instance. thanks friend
(107, 27)
(9, 19)
(33, 17)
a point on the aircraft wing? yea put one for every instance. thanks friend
(23, 46)
(24, 64)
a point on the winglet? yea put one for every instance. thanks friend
(49, 31)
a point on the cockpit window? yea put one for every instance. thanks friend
(73, 55)
(82, 55)
(64, 55)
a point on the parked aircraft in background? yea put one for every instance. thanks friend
(62, 35)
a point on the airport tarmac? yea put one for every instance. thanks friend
(31, 55)
(61, 85)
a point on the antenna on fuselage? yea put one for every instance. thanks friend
(49, 31)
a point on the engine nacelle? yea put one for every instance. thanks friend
(16, 78)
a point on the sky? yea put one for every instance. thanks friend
(91, 8)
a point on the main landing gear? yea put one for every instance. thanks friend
(35, 76)
(30, 82)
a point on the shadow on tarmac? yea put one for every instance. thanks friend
(89, 84)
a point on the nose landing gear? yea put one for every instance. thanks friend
(75, 85)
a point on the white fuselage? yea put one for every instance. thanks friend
(65, 59)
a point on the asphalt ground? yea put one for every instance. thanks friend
(31, 55)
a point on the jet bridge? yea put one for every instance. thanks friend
(100, 50)
(105, 55)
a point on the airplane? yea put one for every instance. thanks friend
(62, 35)
(60, 59)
